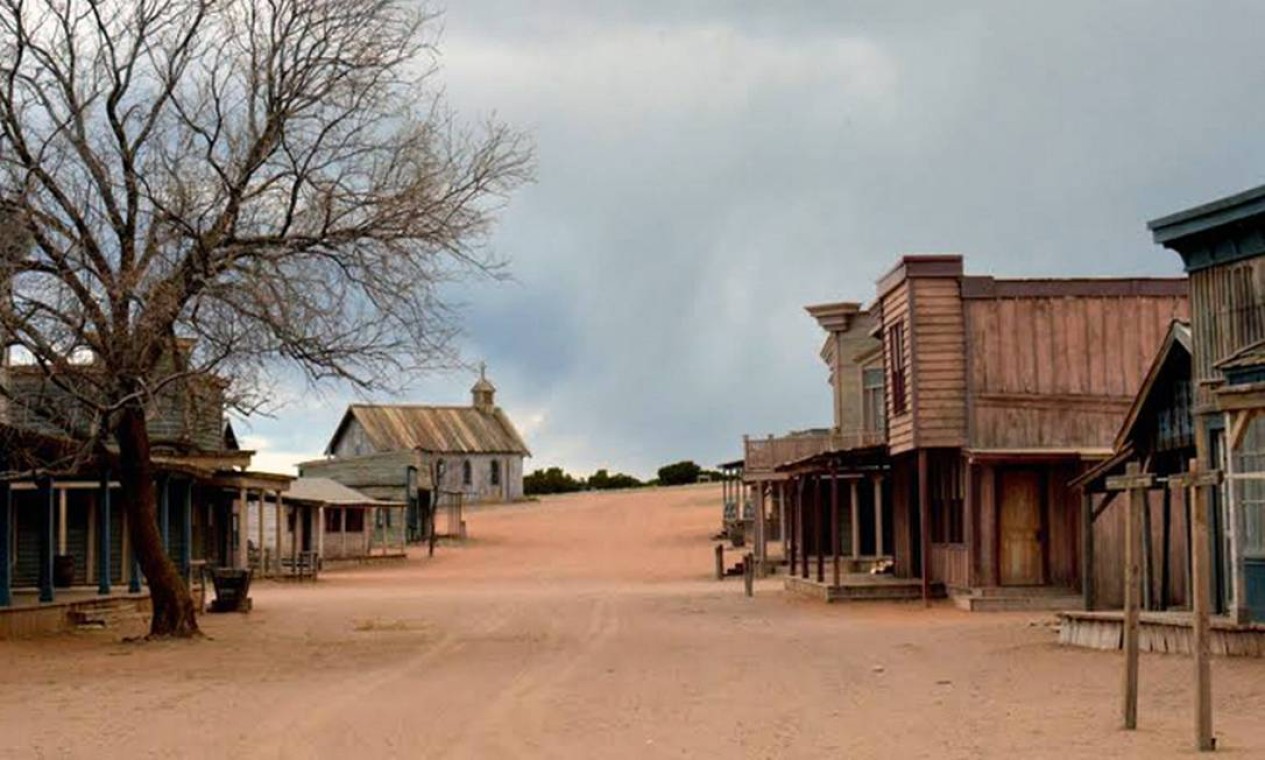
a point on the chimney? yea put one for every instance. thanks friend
(483, 392)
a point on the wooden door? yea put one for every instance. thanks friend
(1020, 529)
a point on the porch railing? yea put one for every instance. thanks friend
(764, 454)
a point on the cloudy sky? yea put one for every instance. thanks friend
(708, 168)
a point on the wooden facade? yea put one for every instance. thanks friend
(1222, 245)
(996, 394)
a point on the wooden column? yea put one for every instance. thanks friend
(855, 494)
(1201, 600)
(924, 529)
(47, 518)
(320, 535)
(802, 519)
(819, 530)
(878, 515)
(163, 487)
(761, 532)
(1087, 549)
(783, 533)
(1136, 483)
(279, 512)
(63, 522)
(103, 534)
(1148, 551)
(243, 529)
(186, 532)
(835, 539)
(260, 534)
(6, 541)
(1166, 552)
(969, 521)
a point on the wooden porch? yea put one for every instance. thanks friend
(855, 587)
(28, 617)
(1163, 632)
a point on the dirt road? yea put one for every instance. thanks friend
(588, 627)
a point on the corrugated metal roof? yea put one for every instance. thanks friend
(328, 491)
(443, 429)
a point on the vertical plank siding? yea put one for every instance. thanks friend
(1228, 314)
(940, 363)
(1060, 372)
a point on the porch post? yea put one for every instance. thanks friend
(783, 533)
(6, 540)
(186, 531)
(834, 524)
(761, 528)
(320, 529)
(1166, 554)
(278, 511)
(103, 535)
(819, 529)
(924, 530)
(1201, 602)
(855, 493)
(878, 515)
(802, 533)
(46, 497)
(1087, 549)
(164, 511)
(243, 530)
(63, 522)
(259, 531)
(968, 521)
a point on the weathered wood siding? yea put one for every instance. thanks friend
(1060, 372)
(950, 564)
(938, 374)
(380, 476)
(900, 427)
(1227, 314)
(1109, 550)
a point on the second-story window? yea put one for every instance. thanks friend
(896, 360)
(872, 401)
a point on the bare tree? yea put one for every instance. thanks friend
(265, 180)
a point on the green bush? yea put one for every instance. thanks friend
(679, 473)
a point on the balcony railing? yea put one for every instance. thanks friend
(764, 454)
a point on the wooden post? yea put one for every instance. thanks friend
(720, 562)
(748, 573)
(1201, 601)
(762, 529)
(46, 538)
(819, 530)
(279, 511)
(835, 538)
(783, 533)
(878, 515)
(855, 495)
(63, 522)
(186, 531)
(802, 523)
(259, 535)
(924, 530)
(1148, 548)
(1136, 483)
(243, 531)
(103, 535)
(1166, 552)
(1087, 549)
(6, 540)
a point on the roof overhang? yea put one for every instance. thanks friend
(1088, 453)
(1219, 232)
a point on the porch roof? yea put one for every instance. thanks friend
(1039, 455)
(868, 459)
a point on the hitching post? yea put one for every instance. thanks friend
(1136, 483)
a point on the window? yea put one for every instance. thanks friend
(872, 401)
(467, 473)
(896, 360)
(495, 473)
(355, 520)
(332, 522)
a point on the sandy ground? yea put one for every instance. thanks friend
(587, 626)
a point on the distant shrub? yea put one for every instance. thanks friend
(552, 480)
(679, 473)
(604, 481)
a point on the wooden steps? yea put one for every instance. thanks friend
(1016, 599)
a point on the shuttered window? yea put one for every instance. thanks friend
(896, 358)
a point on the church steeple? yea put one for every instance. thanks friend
(483, 392)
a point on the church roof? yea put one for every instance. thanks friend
(439, 429)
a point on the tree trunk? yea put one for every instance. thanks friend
(174, 611)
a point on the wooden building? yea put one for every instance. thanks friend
(1222, 245)
(1000, 392)
(347, 524)
(964, 407)
(429, 457)
(63, 530)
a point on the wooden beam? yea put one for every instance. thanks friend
(878, 515)
(1240, 421)
(1166, 552)
(924, 529)
(834, 528)
(1087, 550)
(855, 501)
(1201, 593)
(1132, 568)
(103, 536)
